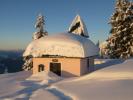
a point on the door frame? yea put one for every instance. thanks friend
(57, 68)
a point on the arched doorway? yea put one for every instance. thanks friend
(41, 67)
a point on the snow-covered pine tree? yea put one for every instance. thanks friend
(40, 27)
(120, 41)
(28, 65)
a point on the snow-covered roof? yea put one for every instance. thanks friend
(78, 27)
(63, 44)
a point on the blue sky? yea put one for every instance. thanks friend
(17, 19)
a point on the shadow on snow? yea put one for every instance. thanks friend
(30, 87)
(108, 63)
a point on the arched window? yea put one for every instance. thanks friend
(40, 67)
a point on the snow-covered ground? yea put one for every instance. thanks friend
(25, 86)
(112, 80)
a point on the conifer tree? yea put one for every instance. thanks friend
(120, 41)
(41, 32)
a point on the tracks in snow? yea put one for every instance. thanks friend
(59, 94)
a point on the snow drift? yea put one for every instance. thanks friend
(111, 83)
(115, 82)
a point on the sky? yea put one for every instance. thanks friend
(17, 19)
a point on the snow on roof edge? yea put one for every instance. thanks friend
(73, 43)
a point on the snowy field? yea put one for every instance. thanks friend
(112, 80)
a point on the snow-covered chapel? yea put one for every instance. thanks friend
(66, 54)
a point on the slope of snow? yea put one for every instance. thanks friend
(63, 44)
(25, 86)
(115, 82)
(10, 85)
(111, 83)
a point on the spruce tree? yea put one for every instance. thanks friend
(120, 41)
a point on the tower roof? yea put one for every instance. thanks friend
(78, 27)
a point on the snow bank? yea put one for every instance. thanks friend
(115, 82)
(111, 83)
(63, 44)
(25, 86)
(10, 84)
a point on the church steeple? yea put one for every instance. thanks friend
(78, 27)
